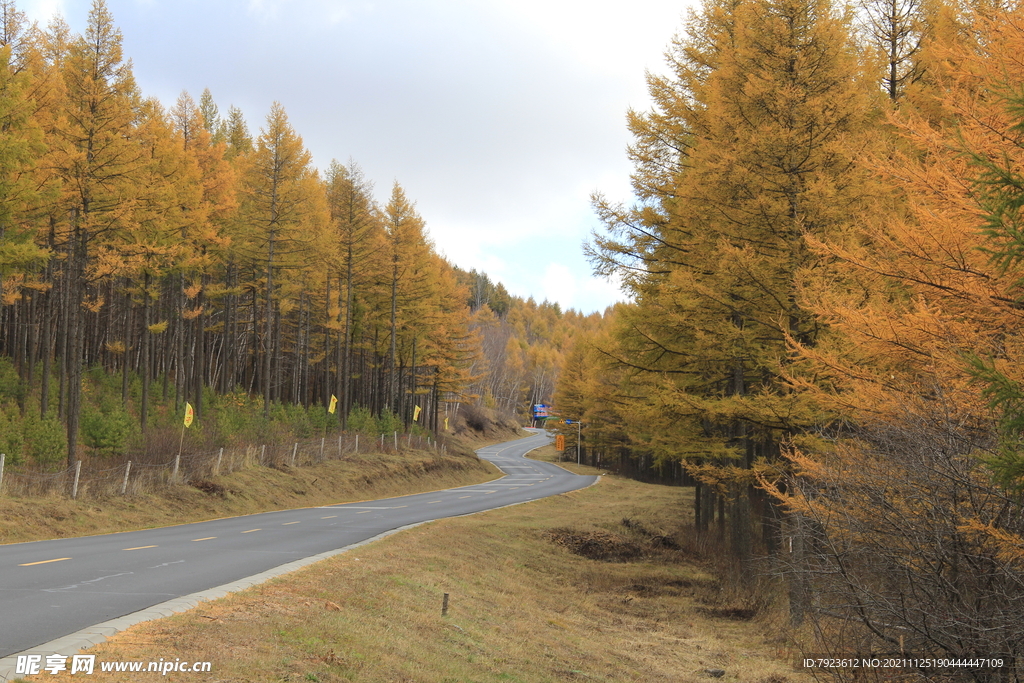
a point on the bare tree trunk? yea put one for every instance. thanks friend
(47, 350)
(346, 369)
(144, 353)
(180, 381)
(75, 342)
(392, 378)
(62, 339)
(199, 367)
(127, 344)
(33, 342)
(327, 346)
(268, 326)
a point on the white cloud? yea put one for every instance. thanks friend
(322, 13)
(42, 11)
(499, 117)
(585, 293)
(610, 36)
(559, 284)
(599, 293)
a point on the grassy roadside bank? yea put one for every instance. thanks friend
(586, 586)
(257, 489)
(549, 454)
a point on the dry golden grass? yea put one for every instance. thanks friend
(523, 607)
(549, 454)
(258, 489)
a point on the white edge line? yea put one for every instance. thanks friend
(94, 635)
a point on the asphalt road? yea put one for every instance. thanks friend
(49, 589)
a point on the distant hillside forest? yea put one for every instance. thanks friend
(190, 260)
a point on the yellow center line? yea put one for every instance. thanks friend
(208, 538)
(364, 512)
(431, 502)
(32, 564)
(461, 497)
(287, 523)
(141, 547)
(329, 517)
(399, 506)
(250, 531)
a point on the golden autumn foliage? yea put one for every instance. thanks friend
(826, 260)
(750, 148)
(174, 248)
(918, 502)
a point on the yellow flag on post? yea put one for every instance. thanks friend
(189, 414)
(446, 424)
(334, 404)
(416, 414)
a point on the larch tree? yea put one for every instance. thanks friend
(915, 529)
(749, 150)
(96, 162)
(153, 249)
(442, 367)
(896, 28)
(407, 253)
(21, 149)
(23, 191)
(355, 238)
(170, 243)
(236, 134)
(206, 213)
(284, 208)
(210, 112)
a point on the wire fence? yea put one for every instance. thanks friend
(102, 477)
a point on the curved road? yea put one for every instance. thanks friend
(49, 589)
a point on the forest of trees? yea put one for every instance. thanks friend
(825, 257)
(178, 252)
(523, 345)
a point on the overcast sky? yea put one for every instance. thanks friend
(498, 117)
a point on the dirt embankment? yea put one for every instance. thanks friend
(248, 491)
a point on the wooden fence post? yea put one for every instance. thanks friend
(216, 468)
(124, 484)
(78, 471)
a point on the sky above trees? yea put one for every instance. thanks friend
(500, 118)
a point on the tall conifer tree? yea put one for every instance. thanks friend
(748, 150)
(284, 206)
(355, 236)
(97, 162)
